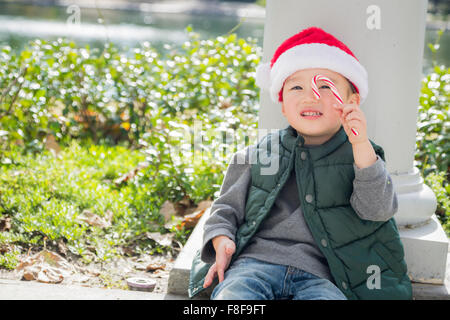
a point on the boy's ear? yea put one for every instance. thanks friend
(354, 98)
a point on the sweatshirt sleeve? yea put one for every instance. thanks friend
(228, 210)
(373, 196)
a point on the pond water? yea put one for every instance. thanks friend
(20, 23)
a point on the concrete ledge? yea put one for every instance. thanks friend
(32, 290)
(425, 291)
(179, 275)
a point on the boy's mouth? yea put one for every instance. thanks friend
(311, 114)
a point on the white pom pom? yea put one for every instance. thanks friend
(263, 76)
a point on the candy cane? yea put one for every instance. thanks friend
(333, 90)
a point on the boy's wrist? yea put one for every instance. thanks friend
(217, 239)
(365, 141)
(364, 154)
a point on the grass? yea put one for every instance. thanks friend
(44, 196)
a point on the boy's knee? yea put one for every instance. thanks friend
(224, 294)
(226, 291)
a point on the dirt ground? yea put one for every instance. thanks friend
(113, 274)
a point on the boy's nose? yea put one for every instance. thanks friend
(309, 96)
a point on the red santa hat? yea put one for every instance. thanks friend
(311, 48)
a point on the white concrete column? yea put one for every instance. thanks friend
(388, 39)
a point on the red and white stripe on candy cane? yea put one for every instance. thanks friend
(335, 92)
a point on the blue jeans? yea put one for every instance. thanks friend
(251, 279)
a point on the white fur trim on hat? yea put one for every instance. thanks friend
(316, 55)
(263, 76)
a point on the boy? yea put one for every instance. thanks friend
(321, 226)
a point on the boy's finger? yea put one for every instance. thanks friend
(352, 116)
(206, 283)
(213, 273)
(210, 276)
(347, 115)
(347, 109)
(220, 273)
(354, 123)
(220, 261)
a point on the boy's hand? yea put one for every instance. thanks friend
(225, 248)
(352, 117)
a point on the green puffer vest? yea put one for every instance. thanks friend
(366, 258)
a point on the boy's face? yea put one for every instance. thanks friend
(298, 97)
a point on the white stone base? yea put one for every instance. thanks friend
(426, 250)
(416, 201)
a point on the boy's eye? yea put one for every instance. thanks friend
(296, 87)
(325, 87)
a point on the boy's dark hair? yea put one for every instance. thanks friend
(352, 87)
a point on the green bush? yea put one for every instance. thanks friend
(109, 96)
(433, 134)
(441, 188)
(433, 143)
(110, 111)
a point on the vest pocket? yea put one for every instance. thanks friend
(398, 267)
(199, 270)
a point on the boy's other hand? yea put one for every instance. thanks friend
(225, 248)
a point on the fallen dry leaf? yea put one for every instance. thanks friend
(109, 215)
(62, 248)
(167, 210)
(129, 251)
(162, 239)
(205, 204)
(95, 220)
(45, 266)
(4, 248)
(5, 224)
(225, 104)
(183, 205)
(186, 201)
(45, 275)
(131, 174)
(191, 220)
(51, 144)
(154, 266)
